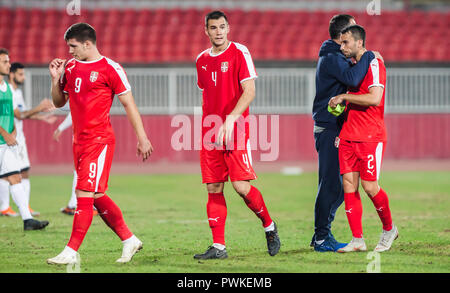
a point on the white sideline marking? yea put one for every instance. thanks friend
(163, 221)
(291, 171)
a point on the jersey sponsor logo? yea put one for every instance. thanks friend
(214, 219)
(70, 68)
(93, 77)
(204, 67)
(224, 67)
(374, 65)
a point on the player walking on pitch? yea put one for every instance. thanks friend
(90, 81)
(226, 75)
(21, 112)
(362, 144)
(10, 163)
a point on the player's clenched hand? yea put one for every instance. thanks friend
(144, 149)
(334, 101)
(10, 139)
(56, 68)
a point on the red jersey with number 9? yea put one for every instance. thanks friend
(362, 123)
(91, 86)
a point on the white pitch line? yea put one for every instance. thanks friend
(163, 221)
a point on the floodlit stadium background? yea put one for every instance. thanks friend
(157, 43)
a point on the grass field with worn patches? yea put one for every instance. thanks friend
(167, 212)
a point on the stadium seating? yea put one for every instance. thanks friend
(34, 36)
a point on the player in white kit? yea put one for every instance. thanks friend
(21, 112)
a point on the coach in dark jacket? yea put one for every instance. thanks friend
(334, 75)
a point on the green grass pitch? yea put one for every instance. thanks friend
(167, 212)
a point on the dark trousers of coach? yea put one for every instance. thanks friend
(330, 194)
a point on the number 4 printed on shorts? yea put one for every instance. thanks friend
(245, 160)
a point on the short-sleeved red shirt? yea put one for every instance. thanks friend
(220, 76)
(362, 123)
(91, 87)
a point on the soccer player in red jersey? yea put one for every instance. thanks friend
(362, 144)
(226, 75)
(91, 81)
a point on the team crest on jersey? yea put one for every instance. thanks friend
(224, 67)
(93, 77)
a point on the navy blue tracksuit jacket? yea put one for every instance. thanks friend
(334, 75)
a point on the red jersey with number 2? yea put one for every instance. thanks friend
(91, 86)
(362, 123)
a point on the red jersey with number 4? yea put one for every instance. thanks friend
(220, 76)
(362, 123)
(91, 86)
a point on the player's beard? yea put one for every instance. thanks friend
(17, 82)
(351, 54)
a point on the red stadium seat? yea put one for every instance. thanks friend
(155, 35)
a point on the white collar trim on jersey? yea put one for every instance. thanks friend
(212, 55)
(93, 61)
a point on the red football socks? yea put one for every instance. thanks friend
(353, 209)
(255, 202)
(381, 203)
(112, 216)
(216, 209)
(81, 221)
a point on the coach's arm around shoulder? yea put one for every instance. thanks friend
(373, 98)
(56, 69)
(338, 67)
(144, 146)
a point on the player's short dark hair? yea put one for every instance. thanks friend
(3, 51)
(15, 66)
(358, 33)
(338, 23)
(215, 15)
(81, 32)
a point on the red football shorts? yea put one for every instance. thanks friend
(92, 164)
(217, 165)
(362, 157)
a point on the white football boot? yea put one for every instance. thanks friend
(67, 256)
(386, 239)
(130, 247)
(357, 244)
